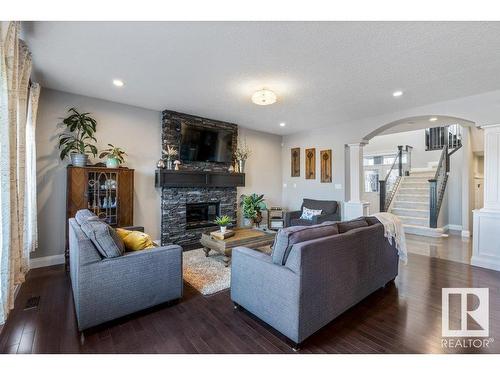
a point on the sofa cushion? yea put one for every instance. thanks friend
(83, 215)
(104, 238)
(371, 220)
(287, 237)
(328, 207)
(346, 226)
(308, 213)
(135, 240)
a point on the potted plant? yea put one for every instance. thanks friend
(241, 155)
(170, 153)
(223, 222)
(253, 205)
(114, 156)
(76, 140)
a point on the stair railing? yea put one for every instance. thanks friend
(437, 185)
(389, 185)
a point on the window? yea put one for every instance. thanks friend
(371, 181)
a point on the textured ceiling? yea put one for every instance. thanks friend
(324, 73)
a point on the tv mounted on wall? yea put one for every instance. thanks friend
(200, 143)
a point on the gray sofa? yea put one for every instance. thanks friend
(330, 212)
(108, 288)
(316, 276)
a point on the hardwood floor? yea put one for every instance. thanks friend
(402, 318)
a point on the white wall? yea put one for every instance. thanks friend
(297, 188)
(263, 167)
(138, 131)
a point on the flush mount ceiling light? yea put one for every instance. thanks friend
(397, 93)
(432, 119)
(282, 124)
(118, 83)
(264, 97)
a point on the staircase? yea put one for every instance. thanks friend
(415, 196)
(411, 203)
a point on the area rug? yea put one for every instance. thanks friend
(206, 274)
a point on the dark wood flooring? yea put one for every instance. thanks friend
(402, 318)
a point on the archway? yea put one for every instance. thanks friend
(355, 157)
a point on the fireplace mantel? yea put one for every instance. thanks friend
(165, 178)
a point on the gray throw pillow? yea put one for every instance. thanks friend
(104, 238)
(346, 226)
(287, 237)
(83, 215)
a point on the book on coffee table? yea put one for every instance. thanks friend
(222, 236)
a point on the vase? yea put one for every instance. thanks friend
(169, 163)
(79, 160)
(223, 229)
(112, 163)
(241, 166)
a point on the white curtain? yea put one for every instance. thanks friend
(17, 164)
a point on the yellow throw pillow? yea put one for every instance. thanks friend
(135, 240)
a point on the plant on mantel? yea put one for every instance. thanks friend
(76, 141)
(170, 152)
(241, 154)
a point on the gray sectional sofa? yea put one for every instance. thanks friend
(313, 275)
(109, 283)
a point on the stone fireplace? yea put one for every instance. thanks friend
(193, 197)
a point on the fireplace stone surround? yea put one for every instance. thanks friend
(174, 227)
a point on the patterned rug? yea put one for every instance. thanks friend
(207, 274)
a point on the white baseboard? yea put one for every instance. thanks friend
(486, 262)
(453, 227)
(465, 233)
(46, 261)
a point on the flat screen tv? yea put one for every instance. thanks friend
(205, 144)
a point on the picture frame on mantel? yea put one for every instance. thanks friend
(310, 163)
(295, 162)
(325, 157)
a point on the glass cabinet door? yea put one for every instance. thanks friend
(102, 195)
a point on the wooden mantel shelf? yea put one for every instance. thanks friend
(185, 178)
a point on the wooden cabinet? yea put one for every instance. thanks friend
(108, 192)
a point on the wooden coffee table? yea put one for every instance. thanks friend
(248, 237)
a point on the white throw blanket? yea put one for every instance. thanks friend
(393, 229)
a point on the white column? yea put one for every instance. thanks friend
(355, 207)
(466, 181)
(486, 231)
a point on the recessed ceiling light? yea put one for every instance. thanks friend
(282, 124)
(397, 93)
(264, 97)
(118, 83)
(432, 119)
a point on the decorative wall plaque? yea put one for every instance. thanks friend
(325, 157)
(295, 171)
(310, 163)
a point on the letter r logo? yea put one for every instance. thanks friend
(478, 313)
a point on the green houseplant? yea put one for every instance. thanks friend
(114, 156)
(78, 137)
(223, 222)
(252, 206)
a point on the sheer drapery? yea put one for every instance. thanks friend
(17, 158)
